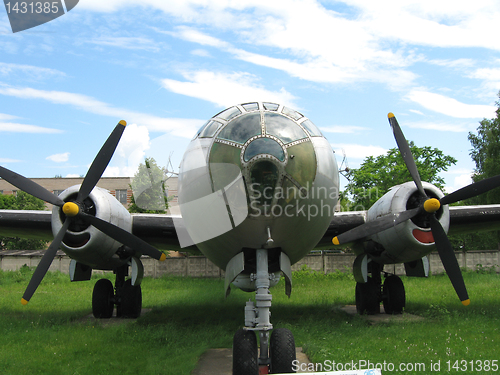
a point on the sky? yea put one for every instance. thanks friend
(167, 66)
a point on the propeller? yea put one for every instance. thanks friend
(76, 210)
(429, 206)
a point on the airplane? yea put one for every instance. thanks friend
(258, 186)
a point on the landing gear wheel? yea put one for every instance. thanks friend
(102, 299)
(282, 351)
(394, 297)
(368, 297)
(131, 301)
(245, 353)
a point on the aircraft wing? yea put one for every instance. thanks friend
(34, 225)
(463, 219)
(159, 230)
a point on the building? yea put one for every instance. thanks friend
(119, 187)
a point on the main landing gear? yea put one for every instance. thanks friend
(370, 293)
(126, 297)
(277, 351)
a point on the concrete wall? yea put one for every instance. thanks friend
(201, 267)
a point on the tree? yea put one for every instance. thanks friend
(21, 201)
(377, 175)
(149, 191)
(485, 153)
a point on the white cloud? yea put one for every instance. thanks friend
(130, 152)
(138, 43)
(23, 128)
(28, 70)
(462, 179)
(201, 52)
(4, 160)
(59, 158)
(356, 43)
(181, 127)
(449, 106)
(317, 65)
(445, 127)
(4, 116)
(346, 129)
(355, 151)
(226, 89)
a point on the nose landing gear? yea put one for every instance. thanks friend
(277, 354)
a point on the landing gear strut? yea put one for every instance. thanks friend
(126, 297)
(277, 353)
(371, 293)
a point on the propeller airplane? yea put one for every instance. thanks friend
(258, 186)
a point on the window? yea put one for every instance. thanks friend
(283, 128)
(242, 129)
(121, 196)
(264, 146)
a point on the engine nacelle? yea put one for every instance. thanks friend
(85, 243)
(411, 239)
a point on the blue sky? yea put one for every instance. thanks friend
(168, 66)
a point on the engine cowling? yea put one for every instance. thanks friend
(85, 243)
(411, 239)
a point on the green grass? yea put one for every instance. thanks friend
(52, 336)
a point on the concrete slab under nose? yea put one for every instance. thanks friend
(220, 362)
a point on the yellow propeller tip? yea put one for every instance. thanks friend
(163, 257)
(335, 241)
(70, 209)
(24, 302)
(123, 122)
(466, 302)
(390, 115)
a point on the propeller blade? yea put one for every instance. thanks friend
(44, 264)
(472, 190)
(101, 161)
(30, 187)
(123, 237)
(449, 260)
(375, 226)
(405, 151)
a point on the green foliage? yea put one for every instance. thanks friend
(149, 189)
(377, 175)
(21, 201)
(485, 153)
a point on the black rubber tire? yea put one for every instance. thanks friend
(394, 296)
(282, 351)
(131, 300)
(245, 361)
(102, 299)
(368, 298)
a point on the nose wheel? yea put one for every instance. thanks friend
(277, 354)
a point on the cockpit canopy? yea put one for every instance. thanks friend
(270, 144)
(259, 119)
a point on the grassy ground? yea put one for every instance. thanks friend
(52, 335)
